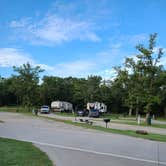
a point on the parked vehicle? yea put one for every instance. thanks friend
(61, 106)
(83, 113)
(101, 107)
(96, 108)
(45, 109)
(94, 113)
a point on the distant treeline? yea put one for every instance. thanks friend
(139, 87)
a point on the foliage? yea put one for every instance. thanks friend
(25, 84)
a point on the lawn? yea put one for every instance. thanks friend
(15, 109)
(10, 109)
(19, 153)
(64, 114)
(142, 123)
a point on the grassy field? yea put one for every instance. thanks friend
(19, 153)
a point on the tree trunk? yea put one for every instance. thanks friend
(130, 111)
(165, 112)
(137, 110)
(148, 118)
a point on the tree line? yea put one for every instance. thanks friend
(139, 87)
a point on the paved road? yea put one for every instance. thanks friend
(69, 145)
(99, 122)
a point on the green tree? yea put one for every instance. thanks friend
(93, 88)
(144, 72)
(25, 84)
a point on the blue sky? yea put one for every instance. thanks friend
(74, 37)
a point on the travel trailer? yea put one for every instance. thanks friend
(96, 108)
(101, 107)
(61, 106)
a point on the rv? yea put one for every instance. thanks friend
(96, 108)
(61, 106)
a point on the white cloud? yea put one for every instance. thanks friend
(156, 49)
(10, 57)
(53, 29)
(127, 40)
(20, 24)
(80, 68)
(13, 57)
(108, 74)
(138, 38)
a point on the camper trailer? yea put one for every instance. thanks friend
(61, 106)
(96, 108)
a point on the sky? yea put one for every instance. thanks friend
(77, 37)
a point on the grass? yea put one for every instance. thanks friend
(1, 121)
(150, 136)
(9, 109)
(142, 124)
(162, 119)
(64, 114)
(15, 109)
(18, 153)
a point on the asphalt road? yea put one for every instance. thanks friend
(68, 145)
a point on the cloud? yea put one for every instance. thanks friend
(119, 41)
(108, 74)
(10, 57)
(53, 29)
(20, 24)
(156, 49)
(13, 57)
(79, 68)
(137, 38)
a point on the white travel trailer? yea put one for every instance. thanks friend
(101, 107)
(61, 106)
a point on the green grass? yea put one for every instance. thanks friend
(111, 116)
(15, 109)
(9, 109)
(142, 124)
(19, 153)
(150, 136)
(161, 119)
(64, 114)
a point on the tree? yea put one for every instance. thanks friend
(93, 88)
(25, 83)
(143, 74)
(7, 97)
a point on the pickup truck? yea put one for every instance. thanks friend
(45, 109)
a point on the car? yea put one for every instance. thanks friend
(82, 113)
(94, 113)
(45, 109)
